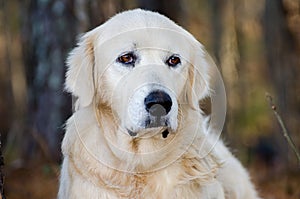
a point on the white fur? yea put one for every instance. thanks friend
(101, 159)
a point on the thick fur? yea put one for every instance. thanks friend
(101, 160)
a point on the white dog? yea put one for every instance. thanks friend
(138, 131)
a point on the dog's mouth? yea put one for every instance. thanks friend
(157, 121)
(149, 132)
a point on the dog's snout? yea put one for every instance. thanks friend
(158, 103)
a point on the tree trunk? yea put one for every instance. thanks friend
(48, 35)
(284, 65)
(50, 29)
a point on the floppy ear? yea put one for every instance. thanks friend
(199, 78)
(79, 77)
(207, 91)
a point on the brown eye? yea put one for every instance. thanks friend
(173, 61)
(128, 58)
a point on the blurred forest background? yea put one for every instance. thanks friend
(255, 43)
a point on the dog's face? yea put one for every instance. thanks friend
(146, 81)
(144, 67)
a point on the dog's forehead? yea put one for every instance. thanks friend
(141, 30)
(140, 25)
(163, 41)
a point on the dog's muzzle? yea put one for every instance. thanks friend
(151, 108)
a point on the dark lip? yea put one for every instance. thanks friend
(131, 133)
(165, 133)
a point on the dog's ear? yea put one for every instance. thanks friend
(199, 78)
(206, 91)
(79, 76)
(206, 88)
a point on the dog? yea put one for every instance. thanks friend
(138, 130)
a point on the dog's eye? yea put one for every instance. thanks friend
(128, 58)
(173, 61)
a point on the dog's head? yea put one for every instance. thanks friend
(143, 66)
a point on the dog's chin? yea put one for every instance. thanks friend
(150, 127)
(150, 132)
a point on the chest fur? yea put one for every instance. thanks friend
(186, 178)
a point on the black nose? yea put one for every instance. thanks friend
(158, 103)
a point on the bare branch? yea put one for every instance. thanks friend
(282, 125)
